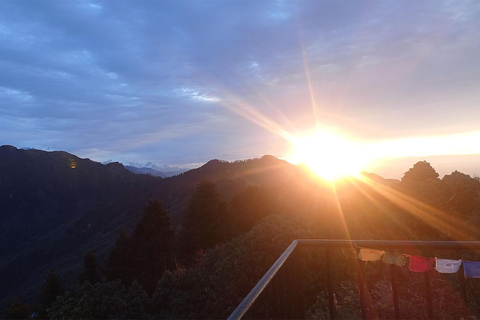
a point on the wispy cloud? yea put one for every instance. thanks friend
(124, 75)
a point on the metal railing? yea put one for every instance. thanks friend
(261, 302)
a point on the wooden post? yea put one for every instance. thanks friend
(361, 288)
(393, 279)
(428, 294)
(331, 303)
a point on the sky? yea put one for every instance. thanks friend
(183, 82)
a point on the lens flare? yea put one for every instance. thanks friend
(329, 154)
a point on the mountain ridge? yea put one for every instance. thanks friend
(55, 206)
(149, 168)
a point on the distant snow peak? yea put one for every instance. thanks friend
(148, 167)
(149, 164)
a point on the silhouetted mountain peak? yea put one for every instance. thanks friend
(116, 167)
(5, 149)
(375, 177)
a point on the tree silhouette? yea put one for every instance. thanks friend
(120, 262)
(51, 288)
(422, 182)
(203, 222)
(90, 272)
(103, 300)
(17, 310)
(251, 205)
(422, 171)
(463, 194)
(152, 244)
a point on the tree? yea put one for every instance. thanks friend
(422, 182)
(103, 300)
(17, 310)
(120, 262)
(52, 287)
(422, 171)
(91, 272)
(227, 273)
(203, 225)
(462, 193)
(252, 205)
(152, 245)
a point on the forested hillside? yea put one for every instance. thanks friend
(55, 206)
(207, 235)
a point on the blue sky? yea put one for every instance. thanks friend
(182, 82)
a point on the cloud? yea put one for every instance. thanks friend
(124, 75)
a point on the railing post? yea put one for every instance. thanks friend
(428, 294)
(289, 284)
(280, 300)
(463, 291)
(301, 283)
(276, 298)
(331, 302)
(274, 289)
(297, 286)
(266, 302)
(284, 292)
(393, 279)
(361, 288)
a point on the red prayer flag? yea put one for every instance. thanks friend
(421, 264)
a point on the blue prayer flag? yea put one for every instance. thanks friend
(471, 269)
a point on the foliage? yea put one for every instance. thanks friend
(463, 194)
(252, 205)
(146, 255)
(278, 207)
(17, 310)
(205, 222)
(120, 261)
(152, 245)
(91, 272)
(421, 181)
(52, 288)
(226, 274)
(103, 300)
(421, 171)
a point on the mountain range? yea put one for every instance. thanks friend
(55, 206)
(149, 167)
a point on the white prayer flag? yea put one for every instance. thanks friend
(447, 265)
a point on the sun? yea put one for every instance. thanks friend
(329, 155)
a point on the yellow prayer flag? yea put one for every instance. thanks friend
(370, 254)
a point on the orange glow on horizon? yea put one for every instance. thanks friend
(440, 220)
(329, 155)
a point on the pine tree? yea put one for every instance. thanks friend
(52, 288)
(17, 310)
(90, 272)
(421, 181)
(422, 171)
(204, 220)
(152, 244)
(120, 263)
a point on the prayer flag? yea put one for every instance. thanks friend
(421, 264)
(471, 269)
(447, 265)
(394, 258)
(370, 254)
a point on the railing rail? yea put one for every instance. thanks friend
(254, 295)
